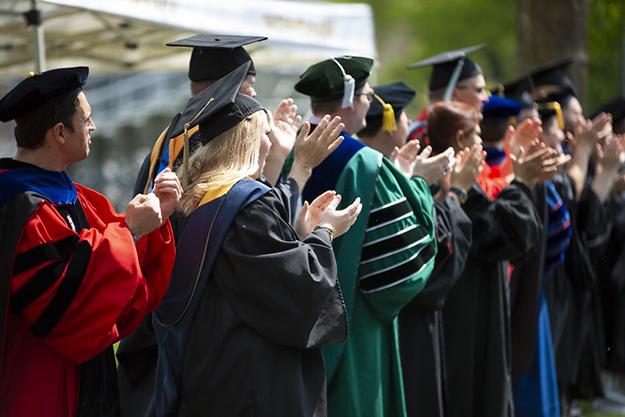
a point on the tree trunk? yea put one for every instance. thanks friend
(553, 29)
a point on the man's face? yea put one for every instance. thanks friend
(573, 115)
(360, 107)
(400, 136)
(77, 142)
(247, 86)
(552, 135)
(472, 91)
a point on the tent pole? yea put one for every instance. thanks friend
(35, 21)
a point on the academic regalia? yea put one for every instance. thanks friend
(569, 292)
(74, 291)
(383, 261)
(611, 273)
(421, 334)
(536, 391)
(270, 302)
(212, 58)
(448, 68)
(137, 354)
(476, 313)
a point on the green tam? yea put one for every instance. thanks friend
(335, 79)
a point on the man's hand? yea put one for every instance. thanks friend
(284, 124)
(168, 190)
(412, 163)
(312, 148)
(588, 133)
(404, 158)
(541, 165)
(143, 214)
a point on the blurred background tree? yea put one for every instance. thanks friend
(520, 35)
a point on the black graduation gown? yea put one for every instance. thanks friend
(611, 274)
(137, 354)
(525, 289)
(476, 313)
(271, 301)
(421, 323)
(571, 290)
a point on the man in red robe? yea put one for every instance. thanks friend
(75, 276)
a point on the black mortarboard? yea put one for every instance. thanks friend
(335, 79)
(215, 109)
(520, 91)
(547, 107)
(615, 107)
(390, 100)
(551, 79)
(500, 108)
(450, 67)
(39, 89)
(214, 56)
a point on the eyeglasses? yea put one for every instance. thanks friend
(368, 95)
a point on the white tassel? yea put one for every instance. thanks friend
(349, 86)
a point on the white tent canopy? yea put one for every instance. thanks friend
(129, 35)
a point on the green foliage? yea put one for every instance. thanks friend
(408, 30)
(605, 43)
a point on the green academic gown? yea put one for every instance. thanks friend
(383, 261)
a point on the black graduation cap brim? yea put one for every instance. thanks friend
(553, 75)
(218, 108)
(520, 90)
(398, 95)
(39, 89)
(444, 65)
(214, 56)
(324, 80)
(211, 100)
(243, 107)
(615, 107)
(217, 41)
(500, 108)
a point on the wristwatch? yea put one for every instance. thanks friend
(461, 194)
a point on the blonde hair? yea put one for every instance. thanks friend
(229, 157)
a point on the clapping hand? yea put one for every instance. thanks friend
(168, 190)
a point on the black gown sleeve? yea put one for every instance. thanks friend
(283, 288)
(142, 176)
(453, 235)
(507, 227)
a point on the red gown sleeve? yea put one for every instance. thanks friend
(81, 292)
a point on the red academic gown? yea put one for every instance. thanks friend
(495, 178)
(118, 285)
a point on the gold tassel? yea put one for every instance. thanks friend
(185, 157)
(388, 115)
(388, 119)
(559, 114)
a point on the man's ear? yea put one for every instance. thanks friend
(58, 133)
(458, 140)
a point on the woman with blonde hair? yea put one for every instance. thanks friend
(252, 298)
